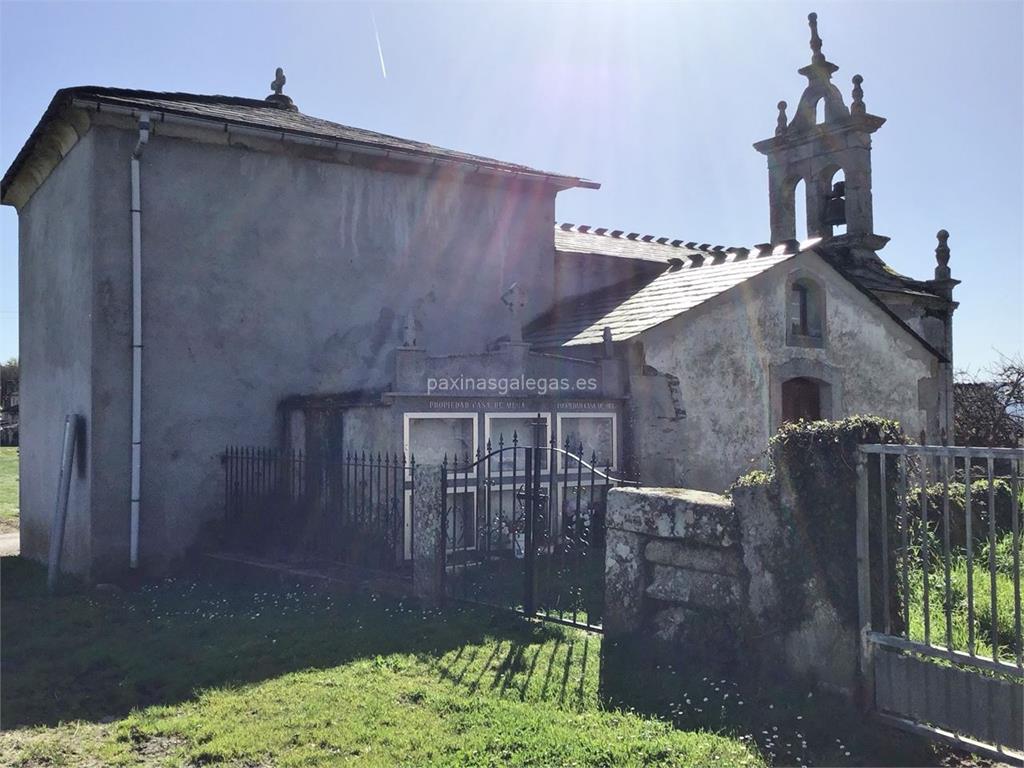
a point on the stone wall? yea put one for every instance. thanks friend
(792, 621)
(674, 570)
(709, 579)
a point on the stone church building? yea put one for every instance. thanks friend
(197, 271)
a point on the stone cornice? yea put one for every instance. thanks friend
(863, 123)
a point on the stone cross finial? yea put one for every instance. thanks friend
(780, 126)
(942, 256)
(278, 97)
(277, 84)
(514, 298)
(857, 107)
(409, 330)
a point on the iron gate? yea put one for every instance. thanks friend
(939, 556)
(524, 529)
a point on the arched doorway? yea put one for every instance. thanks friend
(801, 399)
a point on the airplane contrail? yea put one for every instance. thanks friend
(380, 50)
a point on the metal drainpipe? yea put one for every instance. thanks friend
(136, 210)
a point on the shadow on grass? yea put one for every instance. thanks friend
(94, 656)
(788, 723)
(557, 665)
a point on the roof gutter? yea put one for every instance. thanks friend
(295, 137)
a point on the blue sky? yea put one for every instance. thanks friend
(659, 102)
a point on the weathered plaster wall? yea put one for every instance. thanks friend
(266, 275)
(932, 320)
(730, 356)
(112, 351)
(656, 426)
(55, 230)
(372, 428)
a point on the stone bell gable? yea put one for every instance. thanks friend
(827, 146)
(815, 151)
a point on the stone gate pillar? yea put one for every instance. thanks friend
(673, 571)
(428, 535)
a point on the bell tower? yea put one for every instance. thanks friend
(815, 150)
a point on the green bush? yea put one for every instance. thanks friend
(980, 519)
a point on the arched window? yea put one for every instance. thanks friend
(805, 313)
(801, 399)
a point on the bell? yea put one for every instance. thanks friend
(835, 206)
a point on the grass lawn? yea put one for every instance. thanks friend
(8, 490)
(1006, 606)
(179, 673)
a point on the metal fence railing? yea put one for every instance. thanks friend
(355, 509)
(939, 550)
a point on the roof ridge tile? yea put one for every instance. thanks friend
(718, 252)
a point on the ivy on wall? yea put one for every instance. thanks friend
(812, 478)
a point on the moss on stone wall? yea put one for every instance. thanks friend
(813, 475)
(754, 478)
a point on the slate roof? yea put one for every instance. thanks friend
(874, 274)
(694, 273)
(259, 113)
(871, 273)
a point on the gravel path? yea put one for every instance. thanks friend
(10, 544)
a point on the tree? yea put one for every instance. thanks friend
(989, 409)
(8, 377)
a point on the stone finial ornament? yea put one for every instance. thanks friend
(780, 126)
(817, 56)
(857, 107)
(942, 256)
(278, 97)
(819, 88)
